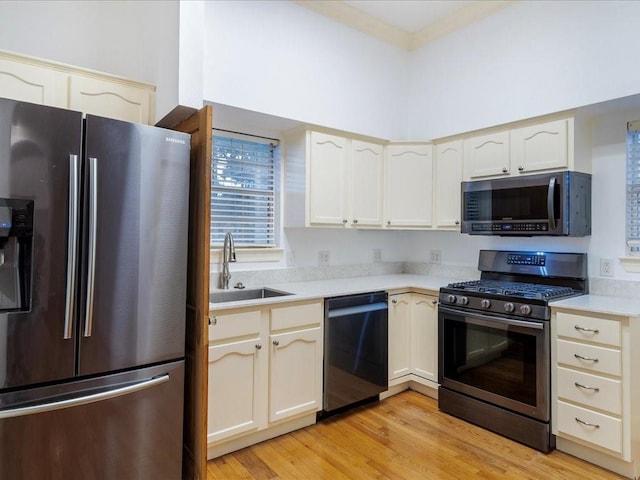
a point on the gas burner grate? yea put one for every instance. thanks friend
(514, 289)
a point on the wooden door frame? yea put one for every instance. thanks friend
(194, 461)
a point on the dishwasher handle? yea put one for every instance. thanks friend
(343, 312)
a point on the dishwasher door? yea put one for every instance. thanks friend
(356, 349)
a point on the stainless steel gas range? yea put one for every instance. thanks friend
(494, 346)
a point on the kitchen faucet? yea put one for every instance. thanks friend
(228, 255)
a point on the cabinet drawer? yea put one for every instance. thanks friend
(235, 325)
(590, 357)
(591, 329)
(296, 316)
(602, 393)
(605, 432)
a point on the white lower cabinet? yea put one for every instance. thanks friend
(413, 339)
(596, 397)
(265, 368)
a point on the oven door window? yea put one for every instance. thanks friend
(495, 361)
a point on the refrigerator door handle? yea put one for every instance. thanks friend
(76, 402)
(74, 188)
(93, 222)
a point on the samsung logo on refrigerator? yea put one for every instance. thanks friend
(174, 140)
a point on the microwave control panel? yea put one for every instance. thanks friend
(531, 227)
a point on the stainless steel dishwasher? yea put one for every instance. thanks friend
(356, 349)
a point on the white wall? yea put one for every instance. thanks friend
(529, 59)
(281, 59)
(136, 39)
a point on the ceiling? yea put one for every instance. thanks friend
(408, 24)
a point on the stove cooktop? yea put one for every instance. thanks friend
(514, 289)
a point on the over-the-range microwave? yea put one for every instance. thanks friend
(532, 205)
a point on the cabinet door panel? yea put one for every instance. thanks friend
(409, 186)
(487, 155)
(296, 373)
(366, 184)
(27, 83)
(540, 147)
(236, 379)
(447, 185)
(424, 337)
(399, 335)
(109, 99)
(327, 179)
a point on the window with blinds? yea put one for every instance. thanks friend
(633, 187)
(243, 191)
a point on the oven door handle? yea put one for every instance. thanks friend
(494, 322)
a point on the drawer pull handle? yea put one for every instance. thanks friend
(588, 330)
(258, 346)
(579, 385)
(586, 359)
(594, 425)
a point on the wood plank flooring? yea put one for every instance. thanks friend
(402, 437)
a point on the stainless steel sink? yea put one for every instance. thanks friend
(245, 294)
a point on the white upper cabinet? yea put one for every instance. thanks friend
(327, 183)
(540, 147)
(409, 186)
(47, 83)
(366, 183)
(448, 175)
(109, 98)
(332, 181)
(31, 83)
(487, 156)
(529, 148)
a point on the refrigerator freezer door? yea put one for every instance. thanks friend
(38, 146)
(136, 203)
(133, 436)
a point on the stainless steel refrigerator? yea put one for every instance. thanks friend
(93, 255)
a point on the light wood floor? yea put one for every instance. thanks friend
(402, 437)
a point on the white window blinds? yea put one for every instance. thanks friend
(243, 188)
(633, 187)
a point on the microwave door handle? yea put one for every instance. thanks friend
(550, 203)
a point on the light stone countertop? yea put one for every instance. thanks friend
(341, 286)
(624, 306)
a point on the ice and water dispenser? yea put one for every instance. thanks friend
(16, 241)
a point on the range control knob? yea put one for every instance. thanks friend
(464, 301)
(484, 303)
(508, 307)
(451, 298)
(525, 309)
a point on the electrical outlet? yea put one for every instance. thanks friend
(323, 257)
(606, 267)
(435, 256)
(377, 255)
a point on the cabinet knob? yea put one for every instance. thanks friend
(258, 346)
(520, 167)
(457, 222)
(344, 220)
(435, 302)
(388, 222)
(276, 342)
(213, 321)
(505, 169)
(355, 220)
(394, 301)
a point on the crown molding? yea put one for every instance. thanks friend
(354, 18)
